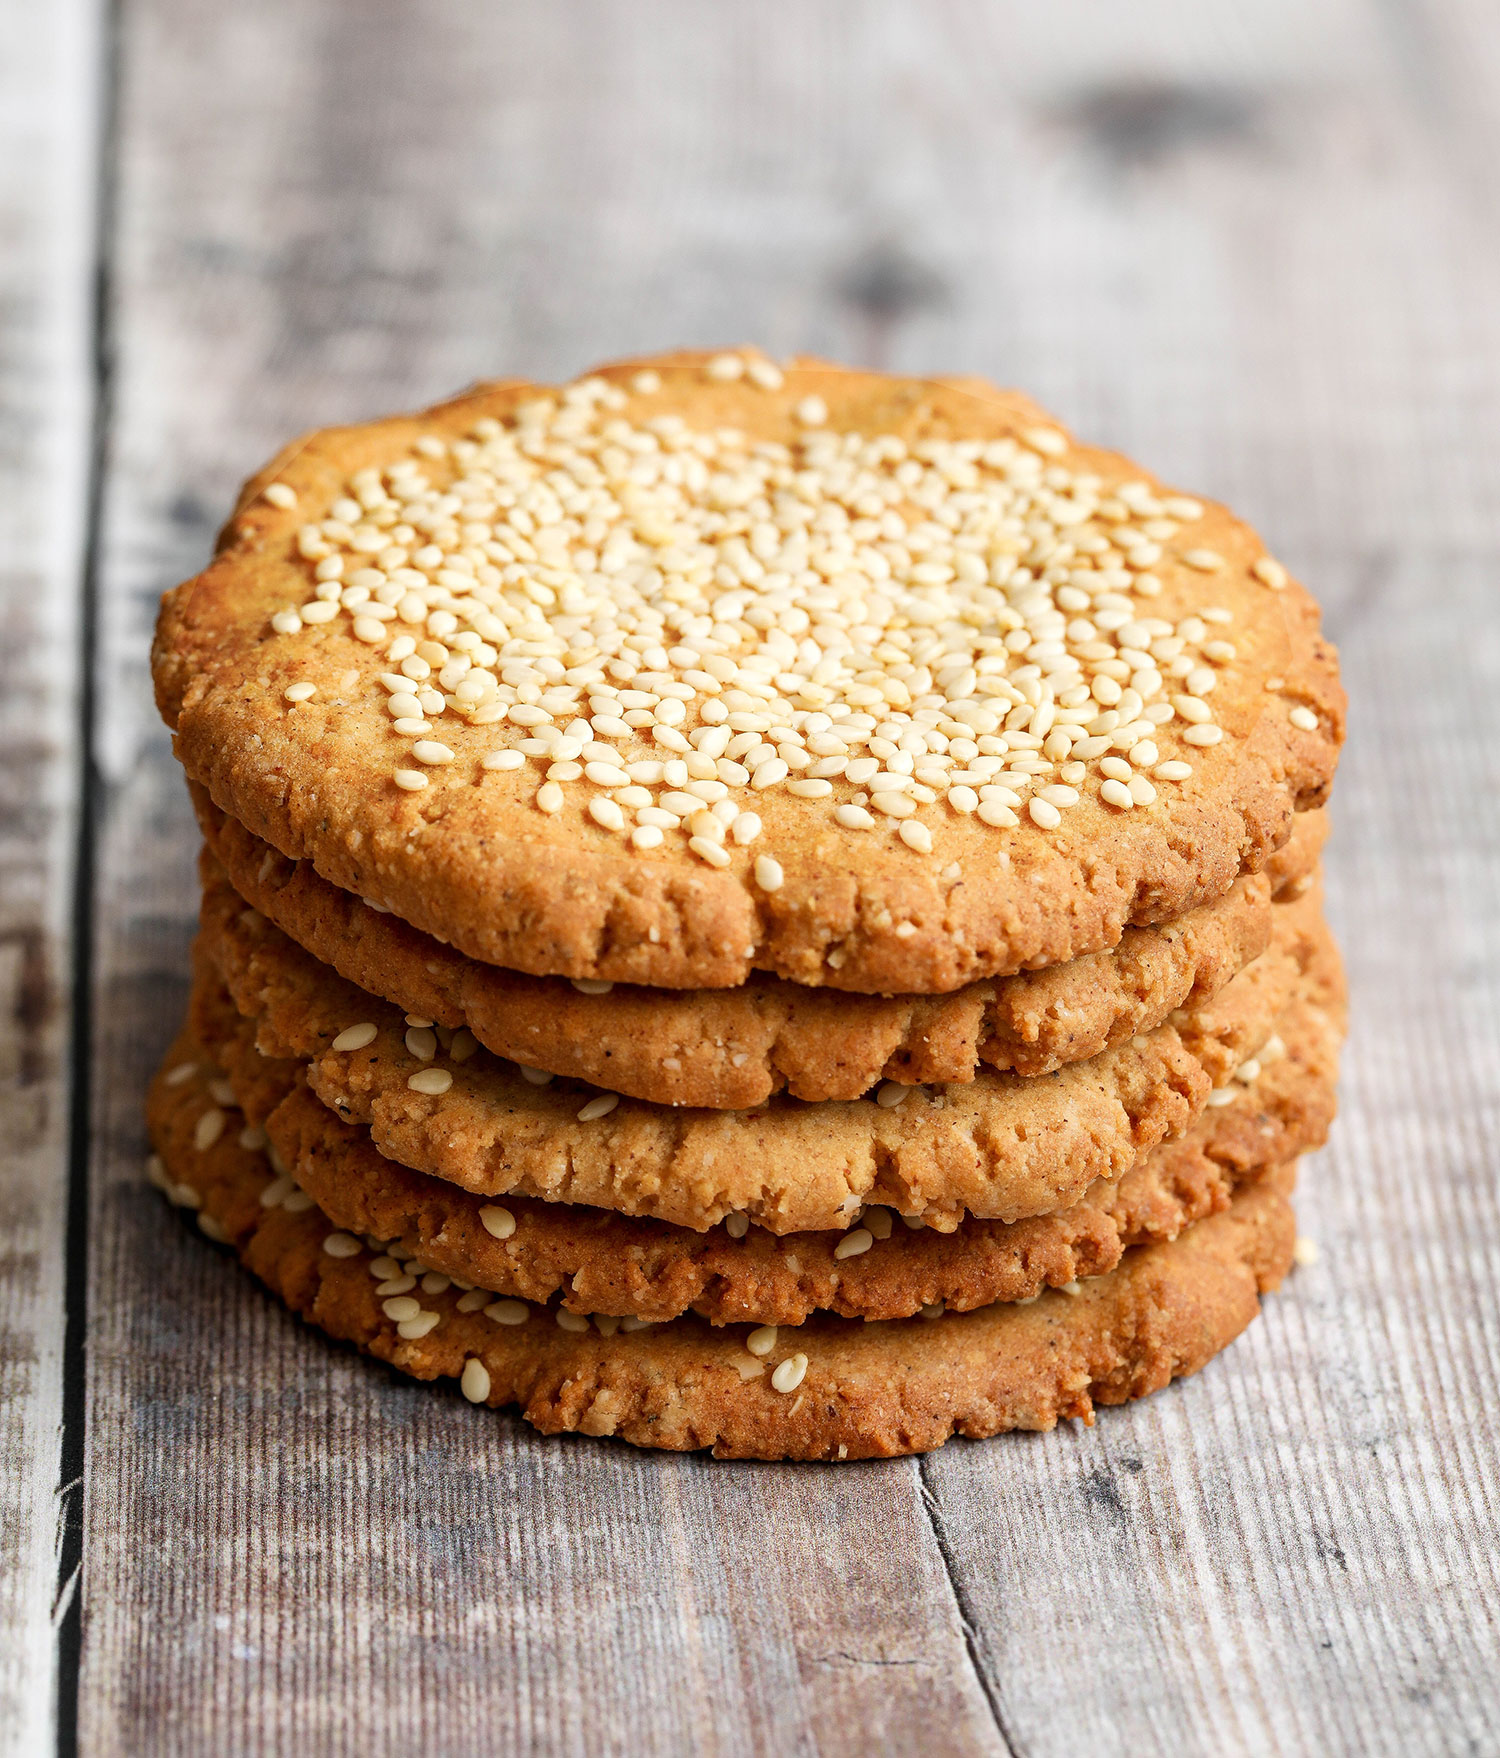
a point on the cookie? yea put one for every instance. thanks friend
(599, 1262)
(830, 1389)
(734, 1048)
(668, 676)
(1002, 1146)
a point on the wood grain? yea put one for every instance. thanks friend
(48, 110)
(1256, 246)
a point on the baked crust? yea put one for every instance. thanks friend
(471, 860)
(1001, 1146)
(867, 1391)
(595, 1261)
(734, 1048)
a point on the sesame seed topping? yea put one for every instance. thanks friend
(592, 985)
(401, 1306)
(568, 1320)
(472, 1300)
(474, 1381)
(422, 1042)
(499, 1223)
(674, 624)
(1269, 572)
(279, 494)
(854, 1244)
(413, 1328)
(508, 1312)
(435, 1081)
(355, 1037)
(184, 1071)
(342, 1245)
(1304, 718)
(768, 874)
(790, 1373)
(891, 1093)
(762, 1341)
(209, 1226)
(598, 1107)
(1305, 1252)
(736, 1225)
(208, 1129)
(299, 692)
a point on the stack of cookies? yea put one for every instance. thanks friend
(755, 908)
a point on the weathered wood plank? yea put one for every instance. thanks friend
(1223, 238)
(48, 76)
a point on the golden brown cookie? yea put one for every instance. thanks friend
(875, 683)
(599, 1262)
(830, 1389)
(1002, 1146)
(734, 1048)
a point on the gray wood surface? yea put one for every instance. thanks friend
(48, 157)
(1255, 245)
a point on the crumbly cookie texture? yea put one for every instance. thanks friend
(830, 1389)
(1002, 1147)
(734, 1048)
(666, 676)
(597, 1262)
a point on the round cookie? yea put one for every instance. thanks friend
(599, 1262)
(831, 1389)
(1002, 1146)
(697, 667)
(734, 1048)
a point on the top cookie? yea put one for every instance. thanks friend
(696, 667)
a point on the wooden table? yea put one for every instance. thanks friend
(1256, 245)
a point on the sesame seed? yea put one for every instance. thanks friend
(1046, 816)
(1046, 440)
(299, 692)
(252, 1138)
(280, 494)
(422, 1043)
(1305, 1252)
(933, 1309)
(592, 985)
(474, 1381)
(182, 1072)
(812, 411)
(549, 797)
(646, 384)
(355, 1037)
(410, 780)
(497, 1222)
(601, 1106)
(790, 1373)
(891, 1093)
(761, 1341)
(401, 1306)
(768, 873)
(1203, 735)
(414, 1328)
(1304, 718)
(854, 817)
(472, 1300)
(429, 751)
(879, 1222)
(502, 760)
(1206, 561)
(854, 1244)
(765, 374)
(1269, 572)
(571, 1321)
(708, 851)
(1172, 771)
(726, 367)
(212, 1228)
(208, 1129)
(296, 1202)
(537, 1077)
(342, 1245)
(1116, 793)
(508, 1312)
(434, 1081)
(222, 1093)
(607, 814)
(916, 836)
